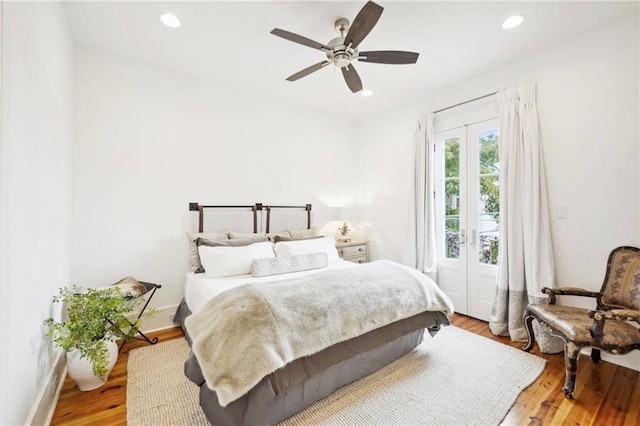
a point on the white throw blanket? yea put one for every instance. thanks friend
(248, 332)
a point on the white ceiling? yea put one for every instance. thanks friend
(229, 42)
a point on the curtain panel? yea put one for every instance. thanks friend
(421, 247)
(526, 262)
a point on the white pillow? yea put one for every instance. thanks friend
(193, 248)
(316, 245)
(227, 261)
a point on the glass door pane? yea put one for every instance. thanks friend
(451, 182)
(488, 196)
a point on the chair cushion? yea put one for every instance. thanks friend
(574, 323)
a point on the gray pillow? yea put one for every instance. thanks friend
(273, 235)
(278, 238)
(300, 234)
(283, 265)
(256, 237)
(238, 242)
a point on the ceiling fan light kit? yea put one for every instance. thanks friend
(343, 50)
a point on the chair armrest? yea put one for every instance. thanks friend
(568, 291)
(616, 314)
(599, 317)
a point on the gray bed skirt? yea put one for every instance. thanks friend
(182, 313)
(307, 380)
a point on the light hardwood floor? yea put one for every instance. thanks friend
(605, 393)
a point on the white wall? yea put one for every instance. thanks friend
(150, 141)
(35, 198)
(588, 97)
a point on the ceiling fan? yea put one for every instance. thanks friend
(343, 50)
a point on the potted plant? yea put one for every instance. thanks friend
(96, 318)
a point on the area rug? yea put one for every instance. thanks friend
(454, 378)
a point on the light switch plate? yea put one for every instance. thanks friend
(561, 212)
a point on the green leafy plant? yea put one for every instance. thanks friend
(94, 315)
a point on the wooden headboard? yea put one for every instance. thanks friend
(250, 218)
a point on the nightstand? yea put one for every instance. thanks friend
(354, 251)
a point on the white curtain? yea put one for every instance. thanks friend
(421, 249)
(526, 255)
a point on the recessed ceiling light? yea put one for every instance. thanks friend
(170, 20)
(512, 22)
(367, 92)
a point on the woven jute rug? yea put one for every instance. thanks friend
(456, 378)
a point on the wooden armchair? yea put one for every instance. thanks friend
(610, 327)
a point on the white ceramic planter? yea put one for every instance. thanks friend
(81, 369)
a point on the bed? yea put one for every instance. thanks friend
(269, 343)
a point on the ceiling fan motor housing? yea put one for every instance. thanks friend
(341, 55)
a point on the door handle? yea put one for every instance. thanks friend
(473, 238)
(463, 238)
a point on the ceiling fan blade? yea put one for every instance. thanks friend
(352, 78)
(389, 57)
(299, 39)
(305, 72)
(363, 24)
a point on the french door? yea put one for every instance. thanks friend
(467, 195)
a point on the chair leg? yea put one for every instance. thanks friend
(571, 352)
(595, 354)
(528, 323)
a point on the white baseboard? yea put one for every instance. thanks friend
(163, 319)
(47, 399)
